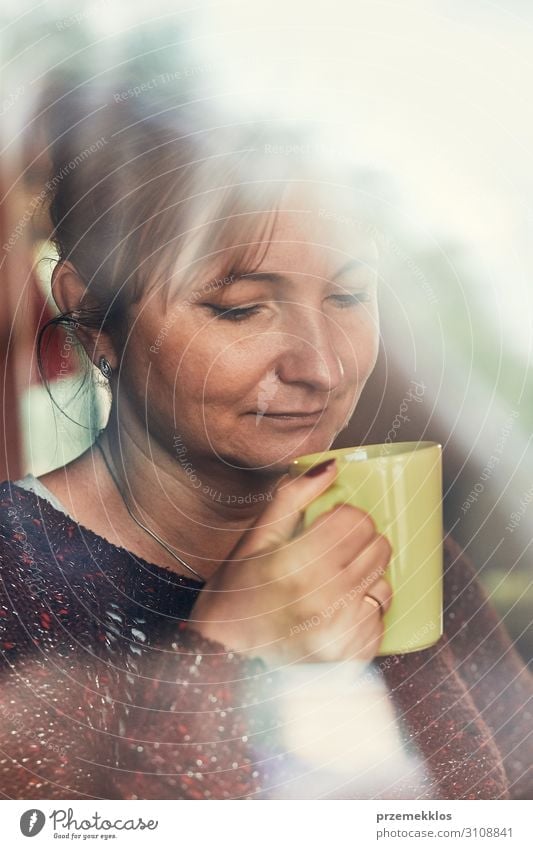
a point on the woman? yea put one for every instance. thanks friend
(155, 588)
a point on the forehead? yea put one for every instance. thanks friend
(312, 228)
(319, 227)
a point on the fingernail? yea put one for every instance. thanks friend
(318, 470)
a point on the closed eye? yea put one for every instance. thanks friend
(240, 314)
(235, 313)
(352, 300)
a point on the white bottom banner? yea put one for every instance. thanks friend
(232, 824)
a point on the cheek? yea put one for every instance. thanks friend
(358, 347)
(217, 369)
(368, 349)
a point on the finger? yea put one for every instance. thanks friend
(280, 519)
(380, 590)
(372, 562)
(336, 537)
(369, 565)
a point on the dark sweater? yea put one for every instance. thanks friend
(108, 692)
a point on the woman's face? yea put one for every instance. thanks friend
(303, 340)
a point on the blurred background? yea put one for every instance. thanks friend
(428, 102)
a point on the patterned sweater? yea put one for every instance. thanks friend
(108, 692)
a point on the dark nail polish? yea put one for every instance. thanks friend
(317, 470)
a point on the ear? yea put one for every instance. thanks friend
(70, 293)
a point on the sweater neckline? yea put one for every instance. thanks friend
(46, 507)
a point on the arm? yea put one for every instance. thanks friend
(201, 724)
(491, 668)
(192, 720)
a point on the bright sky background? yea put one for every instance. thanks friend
(438, 93)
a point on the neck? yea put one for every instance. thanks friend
(200, 509)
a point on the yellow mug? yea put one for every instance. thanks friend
(400, 485)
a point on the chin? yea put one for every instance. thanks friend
(277, 458)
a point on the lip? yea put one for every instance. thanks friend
(299, 413)
(295, 417)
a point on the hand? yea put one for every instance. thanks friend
(286, 595)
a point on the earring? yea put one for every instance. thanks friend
(105, 368)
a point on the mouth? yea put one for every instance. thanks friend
(298, 417)
(296, 413)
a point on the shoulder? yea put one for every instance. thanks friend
(17, 591)
(30, 577)
(15, 503)
(18, 508)
(28, 525)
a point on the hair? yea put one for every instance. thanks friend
(143, 198)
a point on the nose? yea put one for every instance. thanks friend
(308, 353)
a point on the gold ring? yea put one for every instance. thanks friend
(375, 602)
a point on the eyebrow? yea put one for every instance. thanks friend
(275, 277)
